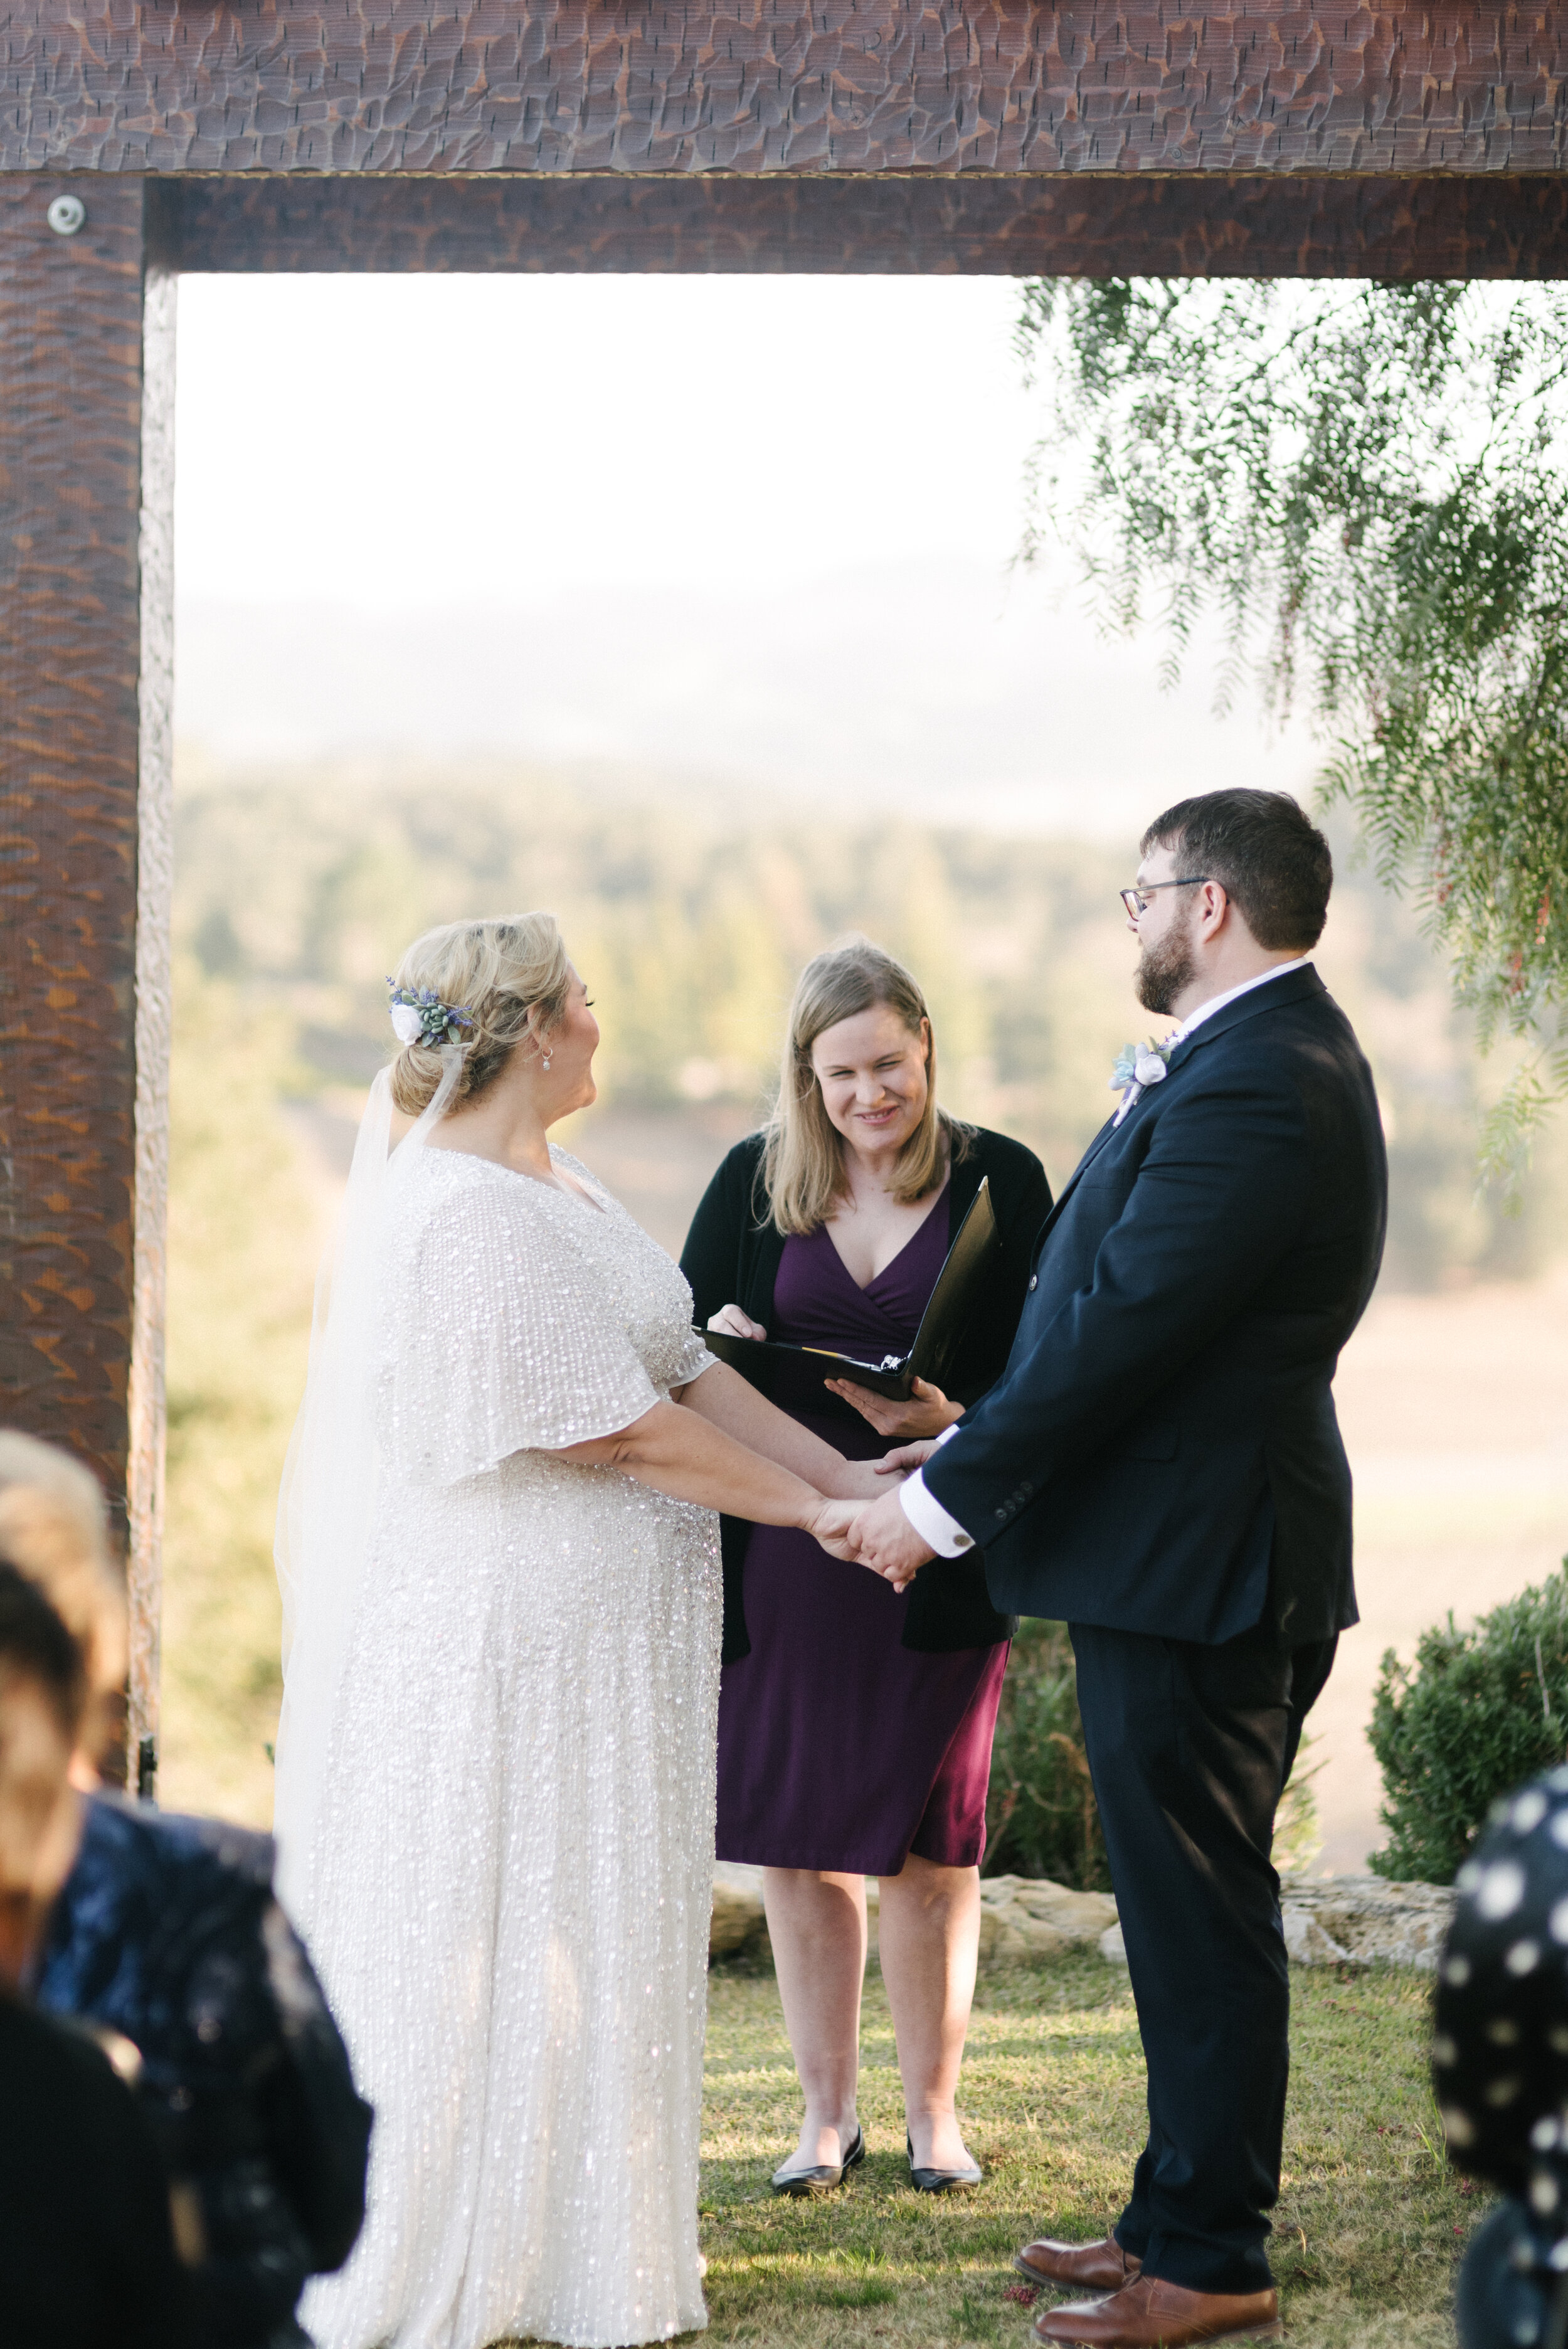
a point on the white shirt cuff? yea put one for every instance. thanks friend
(938, 1530)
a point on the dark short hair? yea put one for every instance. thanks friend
(1272, 861)
(35, 1645)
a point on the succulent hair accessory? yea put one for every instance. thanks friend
(419, 1016)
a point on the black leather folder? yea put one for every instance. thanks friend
(792, 1376)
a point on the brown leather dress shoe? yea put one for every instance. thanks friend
(1149, 2314)
(1084, 2267)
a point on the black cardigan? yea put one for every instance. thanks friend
(732, 1257)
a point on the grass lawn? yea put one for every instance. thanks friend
(1366, 2231)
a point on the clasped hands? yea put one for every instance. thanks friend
(862, 1522)
(873, 1531)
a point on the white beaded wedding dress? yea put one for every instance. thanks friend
(505, 1878)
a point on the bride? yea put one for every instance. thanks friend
(495, 1768)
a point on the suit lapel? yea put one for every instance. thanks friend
(1270, 997)
(1086, 1161)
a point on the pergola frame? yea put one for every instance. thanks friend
(939, 136)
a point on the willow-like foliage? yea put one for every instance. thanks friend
(1368, 485)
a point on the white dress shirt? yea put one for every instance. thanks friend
(937, 1529)
(1218, 1002)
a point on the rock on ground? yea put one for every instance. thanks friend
(1022, 1920)
(1329, 1921)
(738, 1926)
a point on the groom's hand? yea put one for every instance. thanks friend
(885, 1540)
(833, 1526)
(905, 1460)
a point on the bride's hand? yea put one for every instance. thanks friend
(859, 1480)
(833, 1526)
(735, 1323)
(925, 1414)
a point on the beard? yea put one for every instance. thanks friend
(1165, 970)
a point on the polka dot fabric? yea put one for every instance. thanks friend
(1500, 2065)
(1499, 2052)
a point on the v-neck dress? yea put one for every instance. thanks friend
(838, 1746)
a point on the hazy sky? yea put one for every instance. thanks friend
(400, 442)
(763, 525)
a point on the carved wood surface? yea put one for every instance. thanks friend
(70, 429)
(1256, 224)
(146, 1413)
(756, 86)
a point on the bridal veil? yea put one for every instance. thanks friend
(327, 1500)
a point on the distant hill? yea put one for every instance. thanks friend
(949, 690)
(691, 914)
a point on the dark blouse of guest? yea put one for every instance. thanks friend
(732, 1254)
(86, 2249)
(168, 1933)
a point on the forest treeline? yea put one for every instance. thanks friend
(299, 889)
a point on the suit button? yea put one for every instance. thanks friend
(1001, 1516)
(1034, 1282)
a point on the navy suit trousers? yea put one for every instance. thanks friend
(1190, 1747)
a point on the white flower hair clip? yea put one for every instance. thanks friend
(419, 1016)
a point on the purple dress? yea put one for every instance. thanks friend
(838, 1746)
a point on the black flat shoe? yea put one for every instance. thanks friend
(939, 2181)
(825, 2177)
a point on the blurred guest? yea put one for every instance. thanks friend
(1499, 2068)
(165, 1936)
(87, 2254)
(855, 1725)
(168, 1932)
(54, 1528)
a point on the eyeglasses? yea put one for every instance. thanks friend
(1137, 900)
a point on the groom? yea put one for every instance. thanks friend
(1161, 1465)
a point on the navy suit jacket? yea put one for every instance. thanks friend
(1161, 1453)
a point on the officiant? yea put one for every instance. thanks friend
(855, 1724)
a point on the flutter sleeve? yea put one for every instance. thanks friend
(498, 1336)
(695, 1359)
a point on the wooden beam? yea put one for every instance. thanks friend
(82, 1141)
(762, 86)
(1255, 224)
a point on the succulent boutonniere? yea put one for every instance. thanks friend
(1138, 1065)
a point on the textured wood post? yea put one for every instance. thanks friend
(154, 1018)
(83, 1145)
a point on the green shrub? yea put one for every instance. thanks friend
(1041, 1818)
(1477, 1712)
(1298, 1837)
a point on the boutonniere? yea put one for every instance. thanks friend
(1138, 1065)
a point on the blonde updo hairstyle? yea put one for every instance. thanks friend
(498, 971)
(803, 1167)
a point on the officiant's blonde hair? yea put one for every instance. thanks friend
(802, 1168)
(498, 971)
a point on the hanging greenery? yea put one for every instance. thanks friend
(1368, 486)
